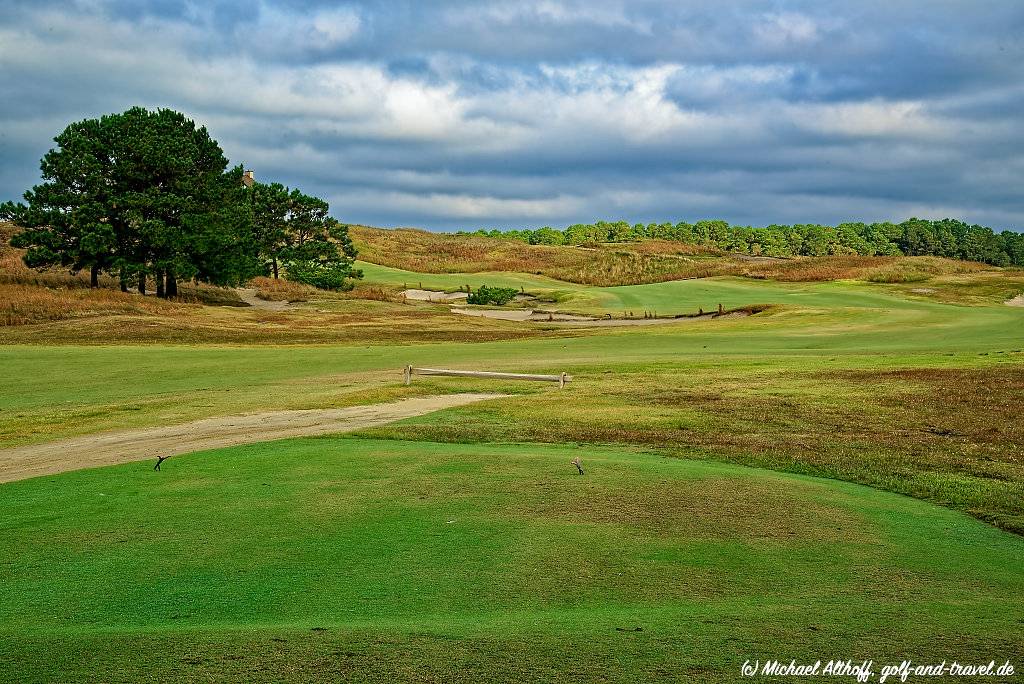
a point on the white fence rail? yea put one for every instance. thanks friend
(560, 379)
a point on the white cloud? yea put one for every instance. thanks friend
(550, 12)
(784, 29)
(877, 118)
(276, 32)
(461, 206)
(336, 26)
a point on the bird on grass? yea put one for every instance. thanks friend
(578, 463)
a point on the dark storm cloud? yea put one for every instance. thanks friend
(454, 114)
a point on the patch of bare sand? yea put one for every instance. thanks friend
(1016, 301)
(432, 295)
(574, 321)
(91, 451)
(248, 295)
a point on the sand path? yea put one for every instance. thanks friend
(90, 451)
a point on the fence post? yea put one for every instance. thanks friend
(408, 374)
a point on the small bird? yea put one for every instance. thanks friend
(159, 460)
(578, 463)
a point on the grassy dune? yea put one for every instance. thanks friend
(418, 250)
(630, 263)
(687, 296)
(327, 559)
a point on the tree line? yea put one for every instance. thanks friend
(147, 196)
(914, 237)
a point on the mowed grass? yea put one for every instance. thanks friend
(462, 546)
(49, 391)
(339, 559)
(688, 296)
(841, 380)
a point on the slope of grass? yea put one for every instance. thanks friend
(418, 250)
(687, 296)
(328, 559)
(738, 390)
(649, 261)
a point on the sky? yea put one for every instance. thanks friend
(451, 114)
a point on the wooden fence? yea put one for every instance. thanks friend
(560, 379)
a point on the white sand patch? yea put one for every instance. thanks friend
(433, 296)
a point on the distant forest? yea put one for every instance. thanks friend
(914, 237)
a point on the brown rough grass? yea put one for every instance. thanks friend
(601, 265)
(281, 290)
(879, 269)
(27, 304)
(636, 263)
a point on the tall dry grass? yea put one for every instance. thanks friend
(602, 265)
(27, 304)
(31, 296)
(879, 269)
(374, 292)
(648, 261)
(281, 290)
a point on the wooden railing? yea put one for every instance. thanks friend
(560, 379)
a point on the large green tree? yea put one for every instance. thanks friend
(138, 193)
(318, 250)
(178, 197)
(69, 219)
(271, 205)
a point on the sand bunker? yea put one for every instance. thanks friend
(574, 321)
(433, 296)
(1016, 301)
(520, 314)
(248, 295)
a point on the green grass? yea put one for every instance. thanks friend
(334, 559)
(808, 387)
(687, 296)
(331, 559)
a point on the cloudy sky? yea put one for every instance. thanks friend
(456, 114)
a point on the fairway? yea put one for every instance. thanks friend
(687, 296)
(417, 561)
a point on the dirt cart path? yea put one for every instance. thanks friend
(107, 448)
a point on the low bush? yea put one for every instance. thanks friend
(324, 275)
(498, 296)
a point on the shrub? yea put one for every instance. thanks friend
(324, 275)
(498, 296)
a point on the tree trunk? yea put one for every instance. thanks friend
(124, 279)
(275, 268)
(142, 283)
(159, 275)
(172, 285)
(94, 277)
